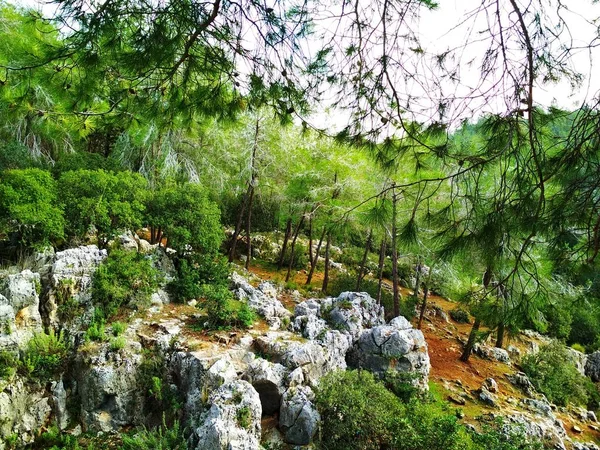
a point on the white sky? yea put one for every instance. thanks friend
(437, 36)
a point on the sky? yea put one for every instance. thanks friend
(438, 33)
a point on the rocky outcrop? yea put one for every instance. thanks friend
(592, 366)
(396, 347)
(71, 281)
(299, 419)
(19, 309)
(270, 381)
(24, 409)
(262, 299)
(108, 385)
(233, 419)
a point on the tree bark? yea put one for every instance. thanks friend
(248, 225)
(310, 240)
(500, 335)
(288, 232)
(381, 267)
(423, 305)
(292, 248)
(363, 262)
(238, 226)
(313, 262)
(326, 274)
(471, 341)
(417, 279)
(396, 285)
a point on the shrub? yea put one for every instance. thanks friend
(552, 372)
(117, 343)
(108, 201)
(196, 270)
(358, 412)
(160, 438)
(124, 278)
(460, 315)
(587, 329)
(29, 214)
(118, 328)
(499, 436)
(45, 356)
(223, 311)
(95, 331)
(8, 365)
(242, 416)
(188, 219)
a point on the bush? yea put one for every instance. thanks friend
(498, 436)
(223, 311)
(117, 343)
(358, 412)
(188, 219)
(160, 438)
(108, 201)
(552, 372)
(8, 365)
(194, 271)
(587, 329)
(124, 278)
(118, 328)
(28, 212)
(460, 315)
(45, 356)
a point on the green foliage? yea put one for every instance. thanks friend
(118, 328)
(55, 439)
(196, 270)
(29, 214)
(45, 356)
(107, 201)
(498, 436)
(125, 278)
(160, 438)
(95, 331)
(188, 219)
(357, 412)
(223, 311)
(8, 365)
(585, 328)
(14, 155)
(242, 416)
(552, 372)
(117, 343)
(460, 315)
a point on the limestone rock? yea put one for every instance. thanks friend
(521, 381)
(24, 410)
(269, 379)
(233, 420)
(71, 279)
(354, 312)
(592, 366)
(108, 386)
(299, 419)
(19, 309)
(388, 347)
(262, 299)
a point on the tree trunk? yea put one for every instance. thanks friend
(396, 286)
(500, 335)
(238, 226)
(326, 274)
(471, 341)
(381, 267)
(248, 225)
(423, 305)
(310, 240)
(293, 247)
(288, 232)
(313, 262)
(361, 270)
(417, 279)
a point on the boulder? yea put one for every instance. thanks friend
(24, 409)
(354, 312)
(269, 379)
(109, 389)
(592, 366)
(19, 309)
(521, 381)
(233, 420)
(299, 419)
(71, 280)
(392, 347)
(262, 299)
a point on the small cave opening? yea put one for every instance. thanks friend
(270, 398)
